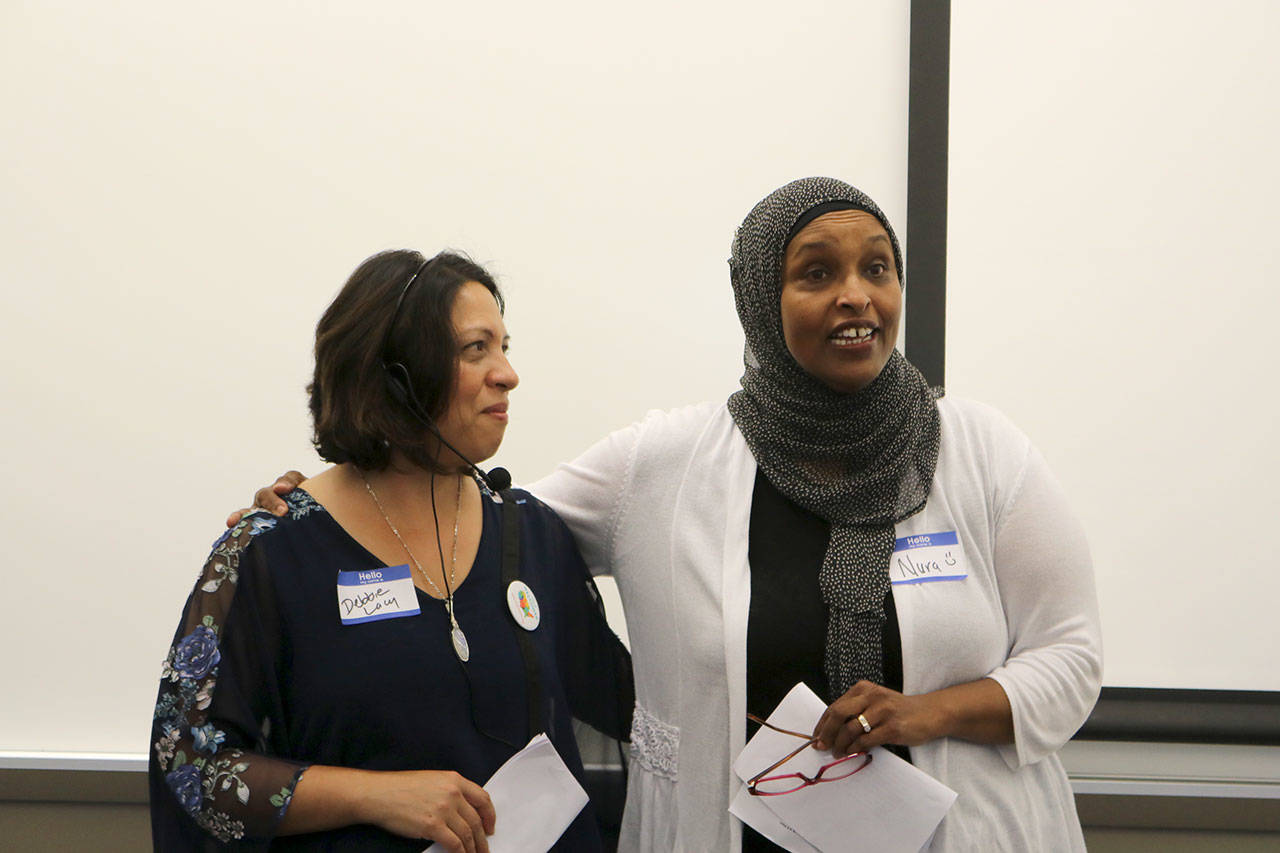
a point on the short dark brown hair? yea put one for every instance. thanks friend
(356, 418)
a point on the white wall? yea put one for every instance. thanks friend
(183, 188)
(1113, 286)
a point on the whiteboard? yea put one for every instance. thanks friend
(184, 188)
(1112, 285)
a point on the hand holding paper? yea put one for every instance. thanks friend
(889, 805)
(535, 797)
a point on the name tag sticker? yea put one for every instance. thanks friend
(927, 557)
(374, 594)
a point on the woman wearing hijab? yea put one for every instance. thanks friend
(755, 544)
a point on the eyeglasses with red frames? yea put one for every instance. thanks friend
(765, 785)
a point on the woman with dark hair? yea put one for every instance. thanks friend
(781, 536)
(309, 715)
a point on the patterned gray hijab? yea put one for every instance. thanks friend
(862, 461)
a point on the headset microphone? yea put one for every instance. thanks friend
(499, 479)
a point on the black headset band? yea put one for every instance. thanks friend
(395, 315)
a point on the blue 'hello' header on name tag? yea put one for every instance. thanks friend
(925, 540)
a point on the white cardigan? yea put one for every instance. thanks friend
(665, 504)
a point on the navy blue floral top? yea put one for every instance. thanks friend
(264, 680)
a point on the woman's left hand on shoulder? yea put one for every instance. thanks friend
(892, 716)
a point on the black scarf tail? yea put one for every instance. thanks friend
(855, 581)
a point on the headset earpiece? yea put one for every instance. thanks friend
(398, 383)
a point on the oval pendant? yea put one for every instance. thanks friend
(460, 647)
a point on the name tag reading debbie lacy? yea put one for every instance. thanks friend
(927, 557)
(375, 594)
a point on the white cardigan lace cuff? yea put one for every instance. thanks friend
(655, 745)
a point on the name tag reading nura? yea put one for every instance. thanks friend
(375, 594)
(927, 557)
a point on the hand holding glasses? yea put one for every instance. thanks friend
(763, 784)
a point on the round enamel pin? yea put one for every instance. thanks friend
(523, 606)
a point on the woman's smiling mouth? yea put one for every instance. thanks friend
(852, 336)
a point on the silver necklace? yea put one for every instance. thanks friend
(460, 646)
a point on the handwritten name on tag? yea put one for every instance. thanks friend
(374, 594)
(927, 557)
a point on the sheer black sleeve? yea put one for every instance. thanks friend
(218, 695)
(597, 667)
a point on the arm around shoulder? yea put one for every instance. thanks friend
(587, 493)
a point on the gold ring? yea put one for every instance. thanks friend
(866, 727)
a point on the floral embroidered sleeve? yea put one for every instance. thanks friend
(217, 704)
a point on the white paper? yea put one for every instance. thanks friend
(754, 813)
(535, 798)
(889, 806)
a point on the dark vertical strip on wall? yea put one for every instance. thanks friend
(927, 113)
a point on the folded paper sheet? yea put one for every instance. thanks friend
(535, 798)
(754, 813)
(889, 806)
